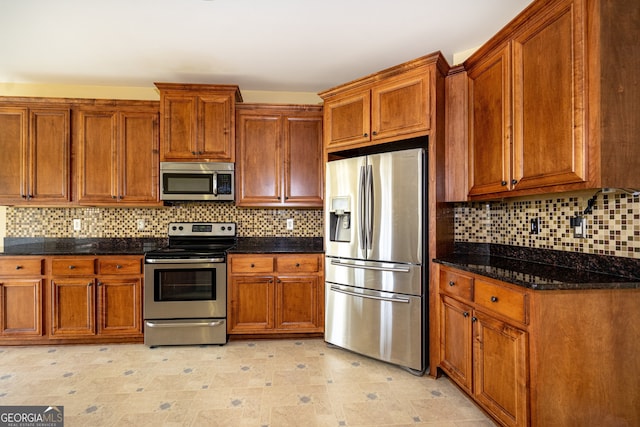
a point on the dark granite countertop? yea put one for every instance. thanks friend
(256, 245)
(80, 246)
(524, 267)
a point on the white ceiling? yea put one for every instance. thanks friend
(261, 45)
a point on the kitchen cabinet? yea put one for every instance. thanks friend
(117, 155)
(197, 122)
(96, 297)
(538, 85)
(483, 353)
(35, 145)
(540, 357)
(21, 281)
(391, 105)
(279, 156)
(275, 293)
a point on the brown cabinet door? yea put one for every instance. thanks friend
(138, 157)
(178, 128)
(119, 306)
(347, 120)
(20, 307)
(501, 382)
(400, 106)
(13, 146)
(549, 97)
(251, 306)
(260, 163)
(489, 124)
(96, 156)
(303, 161)
(296, 301)
(455, 342)
(72, 307)
(215, 137)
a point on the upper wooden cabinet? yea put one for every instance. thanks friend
(35, 147)
(279, 156)
(117, 155)
(553, 101)
(197, 122)
(391, 105)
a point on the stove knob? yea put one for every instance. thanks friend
(173, 228)
(223, 228)
(181, 228)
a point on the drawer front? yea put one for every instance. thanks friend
(21, 266)
(455, 284)
(298, 263)
(120, 265)
(72, 266)
(251, 264)
(501, 300)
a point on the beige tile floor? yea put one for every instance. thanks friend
(243, 383)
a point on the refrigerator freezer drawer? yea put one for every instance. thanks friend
(379, 276)
(381, 325)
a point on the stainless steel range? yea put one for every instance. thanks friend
(185, 285)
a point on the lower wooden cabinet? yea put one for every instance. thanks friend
(71, 299)
(275, 293)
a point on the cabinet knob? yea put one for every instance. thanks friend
(503, 183)
(297, 264)
(465, 314)
(514, 181)
(374, 133)
(113, 197)
(252, 265)
(71, 267)
(279, 281)
(494, 299)
(193, 153)
(452, 283)
(474, 319)
(18, 267)
(24, 196)
(365, 135)
(89, 284)
(118, 266)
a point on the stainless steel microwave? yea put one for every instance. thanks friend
(209, 181)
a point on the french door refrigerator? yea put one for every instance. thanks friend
(375, 234)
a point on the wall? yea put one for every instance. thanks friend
(122, 222)
(612, 229)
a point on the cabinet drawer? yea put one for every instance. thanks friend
(455, 284)
(501, 300)
(252, 264)
(298, 264)
(72, 266)
(21, 266)
(119, 266)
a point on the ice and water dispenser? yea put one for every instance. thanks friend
(340, 219)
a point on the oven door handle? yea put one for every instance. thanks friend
(152, 324)
(182, 261)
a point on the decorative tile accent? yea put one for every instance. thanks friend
(613, 227)
(122, 222)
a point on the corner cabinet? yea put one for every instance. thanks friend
(391, 105)
(541, 98)
(275, 294)
(117, 155)
(35, 145)
(279, 156)
(21, 283)
(540, 357)
(197, 122)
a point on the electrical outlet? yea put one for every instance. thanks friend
(77, 225)
(141, 224)
(289, 223)
(579, 225)
(534, 226)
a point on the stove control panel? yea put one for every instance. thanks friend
(202, 229)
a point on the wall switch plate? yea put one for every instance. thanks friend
(289, 223)
(534, 226)
(579, 225)
(77, 225)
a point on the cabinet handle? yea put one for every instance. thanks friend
(503, 183)
(474, 319)
(365, 135)
(452, 283)
(494, 299)
(514, 181)
(71, 267)
(18, 267)
(465, 314)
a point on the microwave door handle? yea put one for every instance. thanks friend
(215, 183)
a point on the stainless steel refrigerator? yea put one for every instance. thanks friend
(375, 234)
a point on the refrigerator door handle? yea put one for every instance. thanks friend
(362, 209)
(370, 267)
(354, 294)
(370, 201)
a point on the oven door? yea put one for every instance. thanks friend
(185, 290)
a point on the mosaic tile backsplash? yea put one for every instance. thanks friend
(613, 226)
(123, 222)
